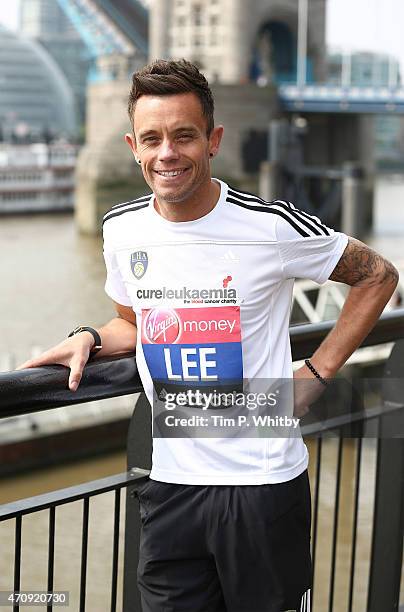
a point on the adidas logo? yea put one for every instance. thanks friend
(230, 257)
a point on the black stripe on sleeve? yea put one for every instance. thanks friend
(273, 211)
(309, 223)
(312, 219)
(307, 220)
(122, 212)
(246, 195)
(137, 201)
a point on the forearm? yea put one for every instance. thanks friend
(117, 336)
(372, 280)
(358, 316)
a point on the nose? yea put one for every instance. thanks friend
(168, 150)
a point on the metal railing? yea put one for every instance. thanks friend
(45, 388)
(50, 501)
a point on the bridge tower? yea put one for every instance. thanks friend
(235, 41)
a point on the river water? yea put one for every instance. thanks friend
(52, 279)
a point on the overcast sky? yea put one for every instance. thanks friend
(374, 25)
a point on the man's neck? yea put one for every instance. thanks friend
(196, 206)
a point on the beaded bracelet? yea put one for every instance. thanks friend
(316, 374)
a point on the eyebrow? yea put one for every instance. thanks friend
(146, 133)
(183, 128)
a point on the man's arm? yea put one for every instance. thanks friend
(117, 336)
(372, 280)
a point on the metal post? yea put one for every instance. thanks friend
(273, 145)
(388, 525)
(393, 72)
(351, 200)
(302, 43)
(139, 455)
(388, 520)
(269, 181)
(346, 75)
(269, 173)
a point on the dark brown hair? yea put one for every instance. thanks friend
(169, 77)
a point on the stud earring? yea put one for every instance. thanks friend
(138, 160)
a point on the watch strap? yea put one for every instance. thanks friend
(97, 338)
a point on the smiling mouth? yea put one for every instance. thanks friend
(170, 173)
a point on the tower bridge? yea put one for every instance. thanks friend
(265, 61)
(113, 31)
(329, 98)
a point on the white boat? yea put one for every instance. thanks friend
(37, 177)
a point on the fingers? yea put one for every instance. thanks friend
(72, 353)
(76, 372)
(36, 362)
(26, 364)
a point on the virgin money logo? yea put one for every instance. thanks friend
(162, 326)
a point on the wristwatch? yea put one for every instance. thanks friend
(97, 338)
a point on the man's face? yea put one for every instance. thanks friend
(172, 144)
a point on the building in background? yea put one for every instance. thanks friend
(373, 70)
(234, 41)
(37, 118)
(36, 101)
(364, 69)
(46, 23)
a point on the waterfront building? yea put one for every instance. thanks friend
(234, 41)
(364, 69)
(35, 98)
(373, 70)
(46, 23)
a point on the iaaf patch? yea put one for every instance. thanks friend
(138, 263)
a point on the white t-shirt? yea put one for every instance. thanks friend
(212, 299)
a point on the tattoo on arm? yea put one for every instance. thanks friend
(360, 266)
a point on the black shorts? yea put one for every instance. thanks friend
(225, 548)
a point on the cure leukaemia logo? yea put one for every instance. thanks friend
(162, 326)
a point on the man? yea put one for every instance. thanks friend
(202, 275)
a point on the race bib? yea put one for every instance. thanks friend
(189, 348)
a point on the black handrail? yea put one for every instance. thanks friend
(306, 338)
(36, 389)
(70, 494)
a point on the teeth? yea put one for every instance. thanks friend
(170, 173)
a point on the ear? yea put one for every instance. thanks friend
(215, 139)
(131, 142)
